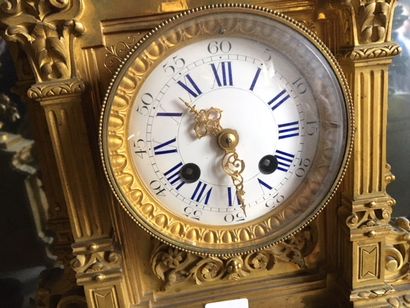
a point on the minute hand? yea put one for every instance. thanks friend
(207, 122)
(228, 139)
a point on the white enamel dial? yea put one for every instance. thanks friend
(264, 96)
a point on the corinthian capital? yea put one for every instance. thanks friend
(45, 30)
(366, 21)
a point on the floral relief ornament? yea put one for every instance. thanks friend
(373, 17)
(173, 266)
(45, 30)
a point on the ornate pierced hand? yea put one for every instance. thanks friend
(207, 122)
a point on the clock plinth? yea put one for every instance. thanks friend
(353, 254)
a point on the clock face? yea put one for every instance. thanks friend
(262, 95)
(261, 76)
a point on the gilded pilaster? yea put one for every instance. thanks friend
(98, 265)
(365, 53)
(46, 31)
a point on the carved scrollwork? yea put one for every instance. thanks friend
(174, 266)
(296, 247)
(115, 53)
(397, 251)
(208, 270)
(373, 214)
(45, 30)
(96, 261)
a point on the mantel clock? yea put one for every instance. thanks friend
(226, 129)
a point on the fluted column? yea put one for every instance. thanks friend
(46, 31)
(365, 51)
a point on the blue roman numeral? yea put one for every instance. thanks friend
(159, 149)
(190, 86)
(226, 70)
(288, 130)
(232, 197)
(255, 79)
(279, 99)
(284, 160)
(173, 177)
(200, 195)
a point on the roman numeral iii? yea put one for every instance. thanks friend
(288, 130)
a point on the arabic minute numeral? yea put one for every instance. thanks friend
(193, 213)
(146, 100)
(219, 46)
(311, 128)
(157, 187)
(303, 164)
(275, 200)
(140, 148)
(173, 65)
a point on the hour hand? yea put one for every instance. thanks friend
(207, 121)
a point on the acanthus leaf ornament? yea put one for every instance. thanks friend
(371, 21)
(175, 267)
(45, 31)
